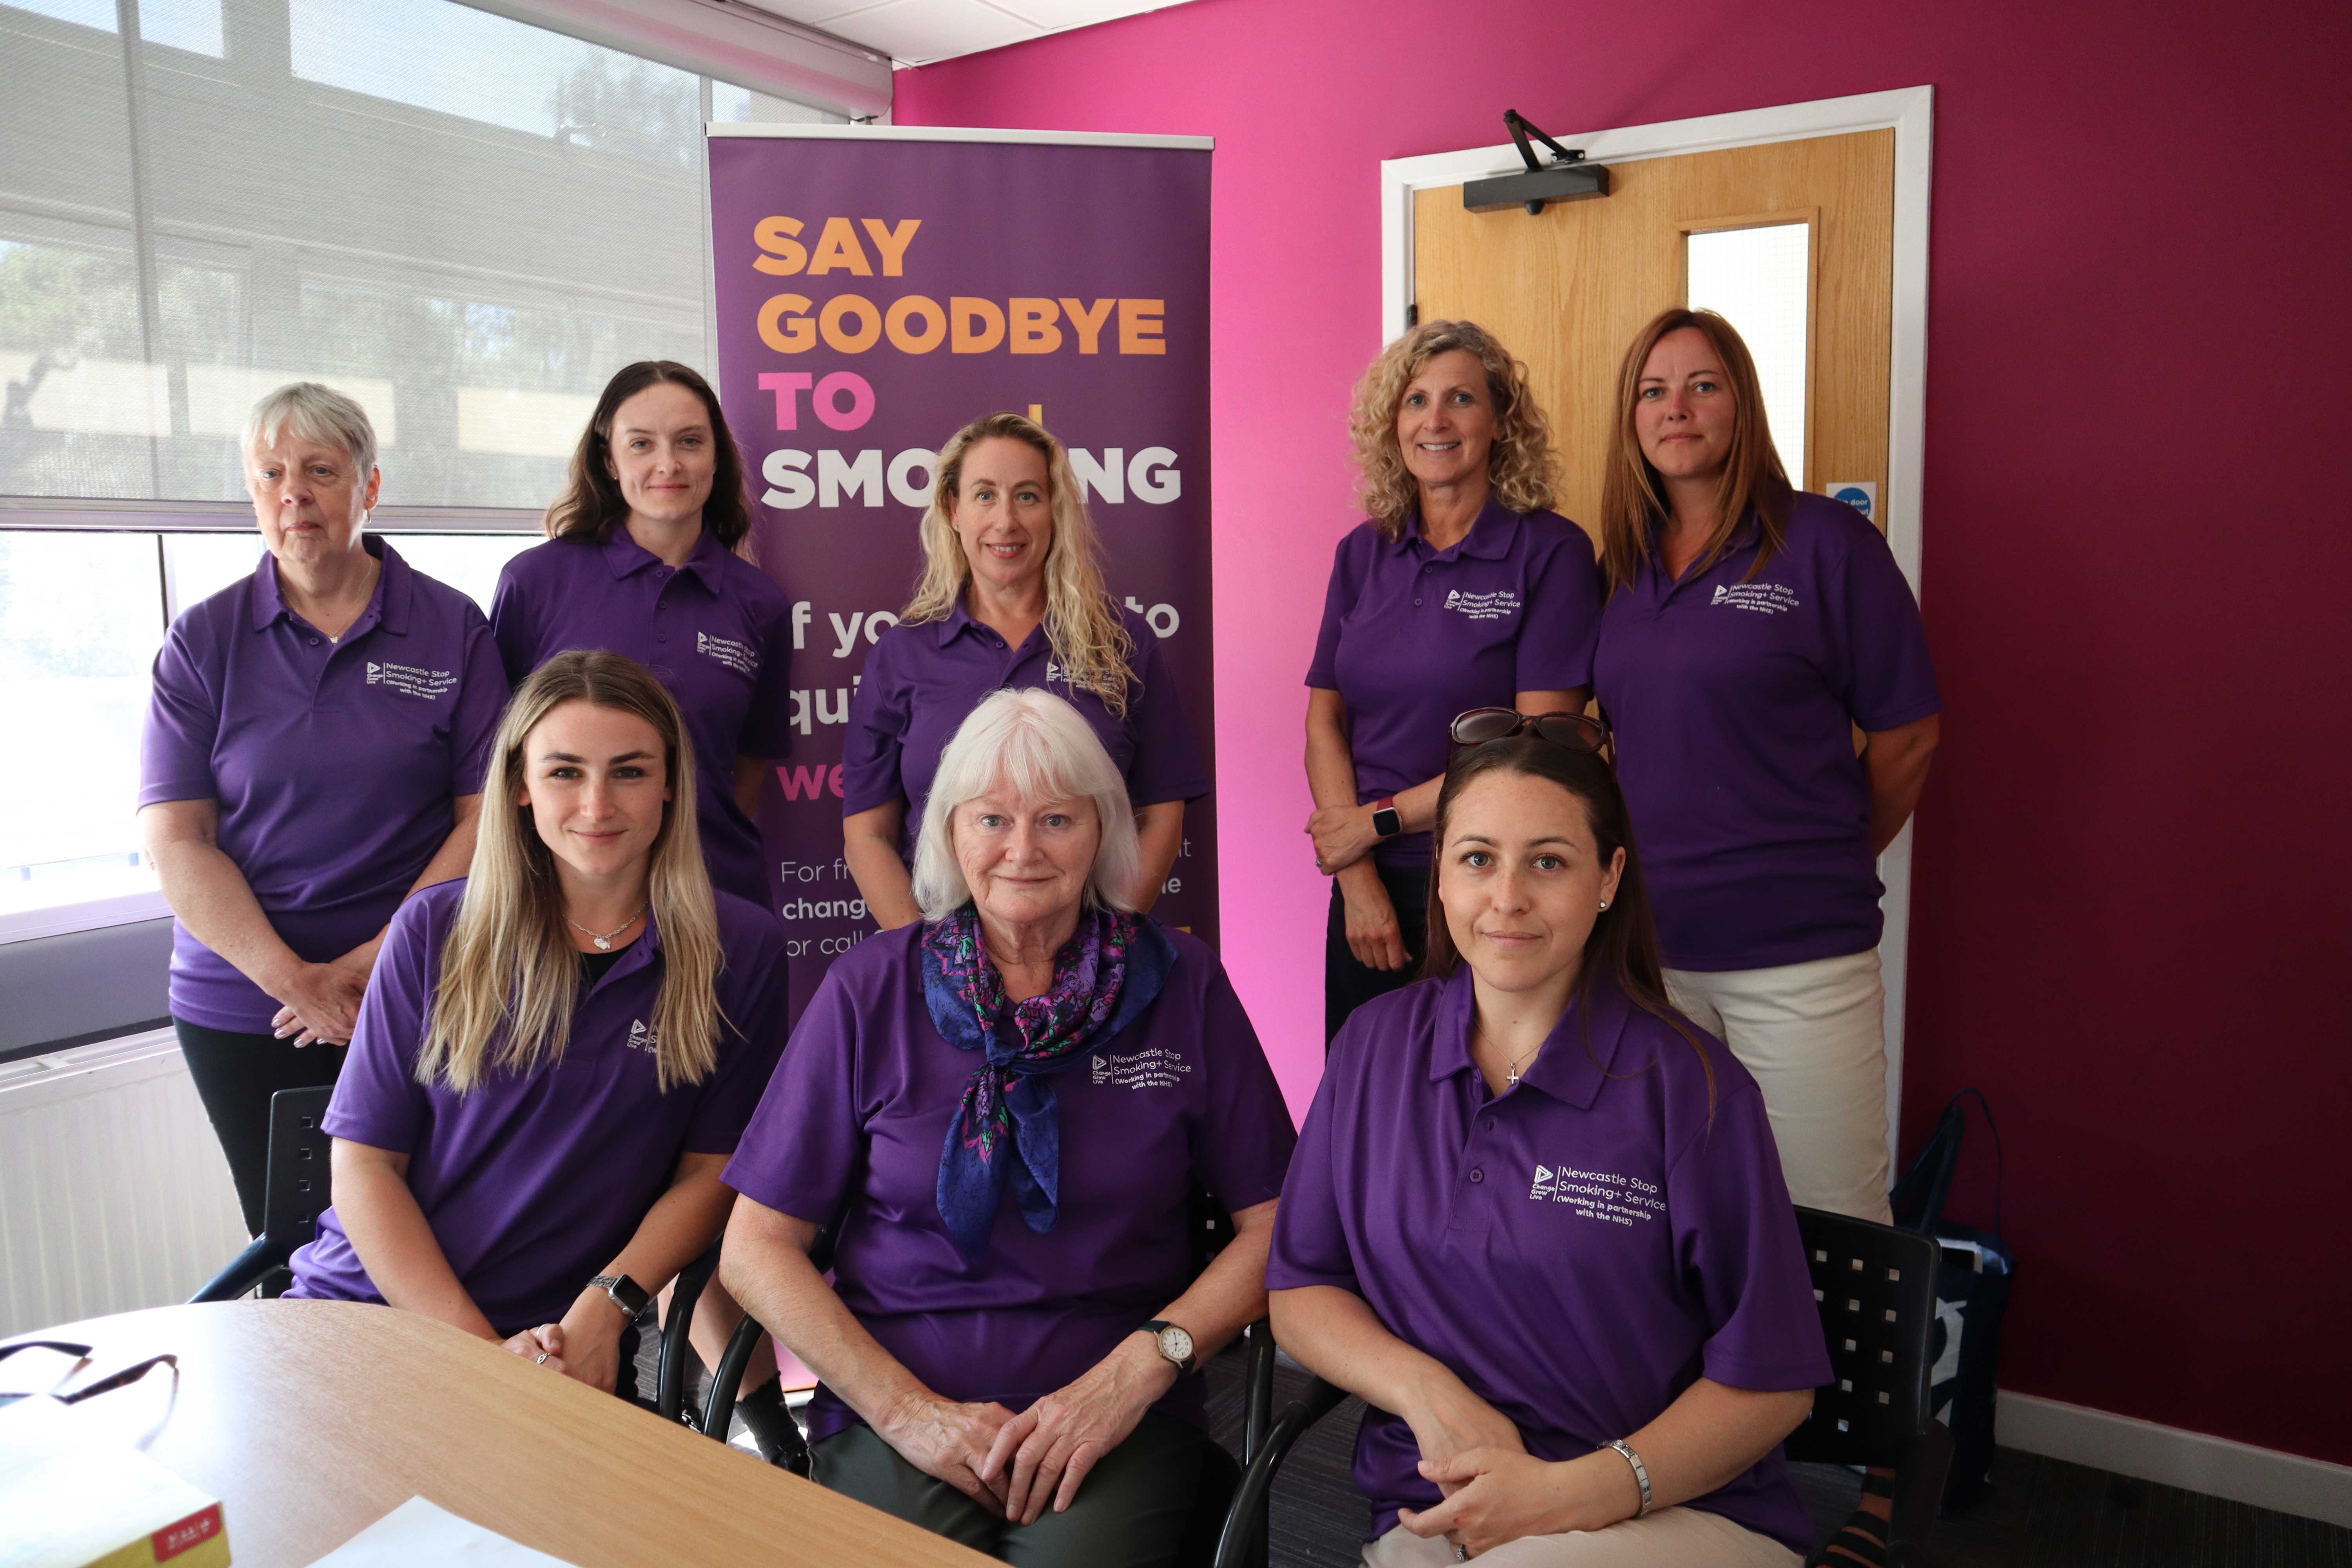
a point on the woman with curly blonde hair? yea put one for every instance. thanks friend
(1463, 590)
(1011, 596)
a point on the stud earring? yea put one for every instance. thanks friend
(1604, 903)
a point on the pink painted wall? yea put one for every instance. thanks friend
(2133, 860)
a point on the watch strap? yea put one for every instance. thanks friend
(634, 1299)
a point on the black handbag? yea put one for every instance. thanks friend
(1972, 1285)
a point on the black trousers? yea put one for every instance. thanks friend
(1347, 984)
(235, 1075)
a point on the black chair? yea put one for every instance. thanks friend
(297, 1188)
(1875, 1287)
(1214, 1501)
(293, 1193)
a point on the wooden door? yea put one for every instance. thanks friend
(1567, 289)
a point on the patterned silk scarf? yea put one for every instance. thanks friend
(1008, 1127)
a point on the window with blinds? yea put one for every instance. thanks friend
(465, 222)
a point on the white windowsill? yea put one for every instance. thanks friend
(127, 908)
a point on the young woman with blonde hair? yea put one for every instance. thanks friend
(1463, 590)
(1011, 595)
(558, 1053)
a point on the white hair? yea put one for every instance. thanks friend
(1037, 745)
(314, 413)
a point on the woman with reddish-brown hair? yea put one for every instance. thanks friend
(1750, 630)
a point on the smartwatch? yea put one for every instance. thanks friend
(1385, 820)
(1174, 1344)
(628, 1295)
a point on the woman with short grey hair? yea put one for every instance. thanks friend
(1000, 1111)
(313, 753)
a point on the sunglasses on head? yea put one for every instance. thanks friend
(1573, 730)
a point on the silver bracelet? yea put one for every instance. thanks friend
(1641, 1471)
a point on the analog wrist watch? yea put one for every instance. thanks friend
(632, 1298)
(1174, 1345)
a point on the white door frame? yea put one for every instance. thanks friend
(1909, 112)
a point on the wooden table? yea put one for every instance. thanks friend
(310, 1420)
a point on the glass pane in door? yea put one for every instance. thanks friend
(1761, 280)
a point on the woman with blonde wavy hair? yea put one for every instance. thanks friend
(1463, 589)
(1012, 596)
(558, 1053)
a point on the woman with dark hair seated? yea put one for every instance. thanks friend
(1002, 1109)
(558, 1053)
(1536, 1218)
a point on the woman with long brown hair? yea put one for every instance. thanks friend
(1535, 1217)
(648, 556)
(585, 946)
(1010, 597)
(1750, 630)
(1462, 589)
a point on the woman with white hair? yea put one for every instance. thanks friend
(559, 1052)
(1012, 596)
(313, 753)
(1000, 1112)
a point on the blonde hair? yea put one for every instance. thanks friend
(1520, 463)
(1042, 749)
(1090, 643)
(509, 974)
(1633, 502)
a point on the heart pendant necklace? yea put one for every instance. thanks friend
(604, 942)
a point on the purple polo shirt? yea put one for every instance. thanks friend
(923, 682)
(335, 764)
(1577, 1250)
(1412, 636)
(1734, 704)
(717, 631)
(533, 1184)
(851, 1130)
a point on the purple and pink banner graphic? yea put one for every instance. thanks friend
(877, 289)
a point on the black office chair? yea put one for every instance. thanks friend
(293, 1193)
(297, 1188)
(1875, 1287)
(1213, 1502)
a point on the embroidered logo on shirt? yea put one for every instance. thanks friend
(642, 1038)
(1599, 1195)
(1500, 604)
(739, 657)
(1054, 672)
(1764, 598)
(410, 680)
(1154, 1066)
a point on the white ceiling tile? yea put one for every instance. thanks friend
(918, 31)
(1056, 15)
(810, 12)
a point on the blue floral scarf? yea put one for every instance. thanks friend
(1008, 1127)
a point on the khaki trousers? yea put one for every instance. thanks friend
(1814, 1036)
(1670, 1538)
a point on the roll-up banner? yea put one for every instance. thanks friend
(879, 287)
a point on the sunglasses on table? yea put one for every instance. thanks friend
(79, 1353)
(1574, 731)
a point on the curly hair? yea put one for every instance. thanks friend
(1089, 641)
(1521, 464)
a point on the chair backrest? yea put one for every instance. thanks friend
(1875, 1287)
(297, 1187)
